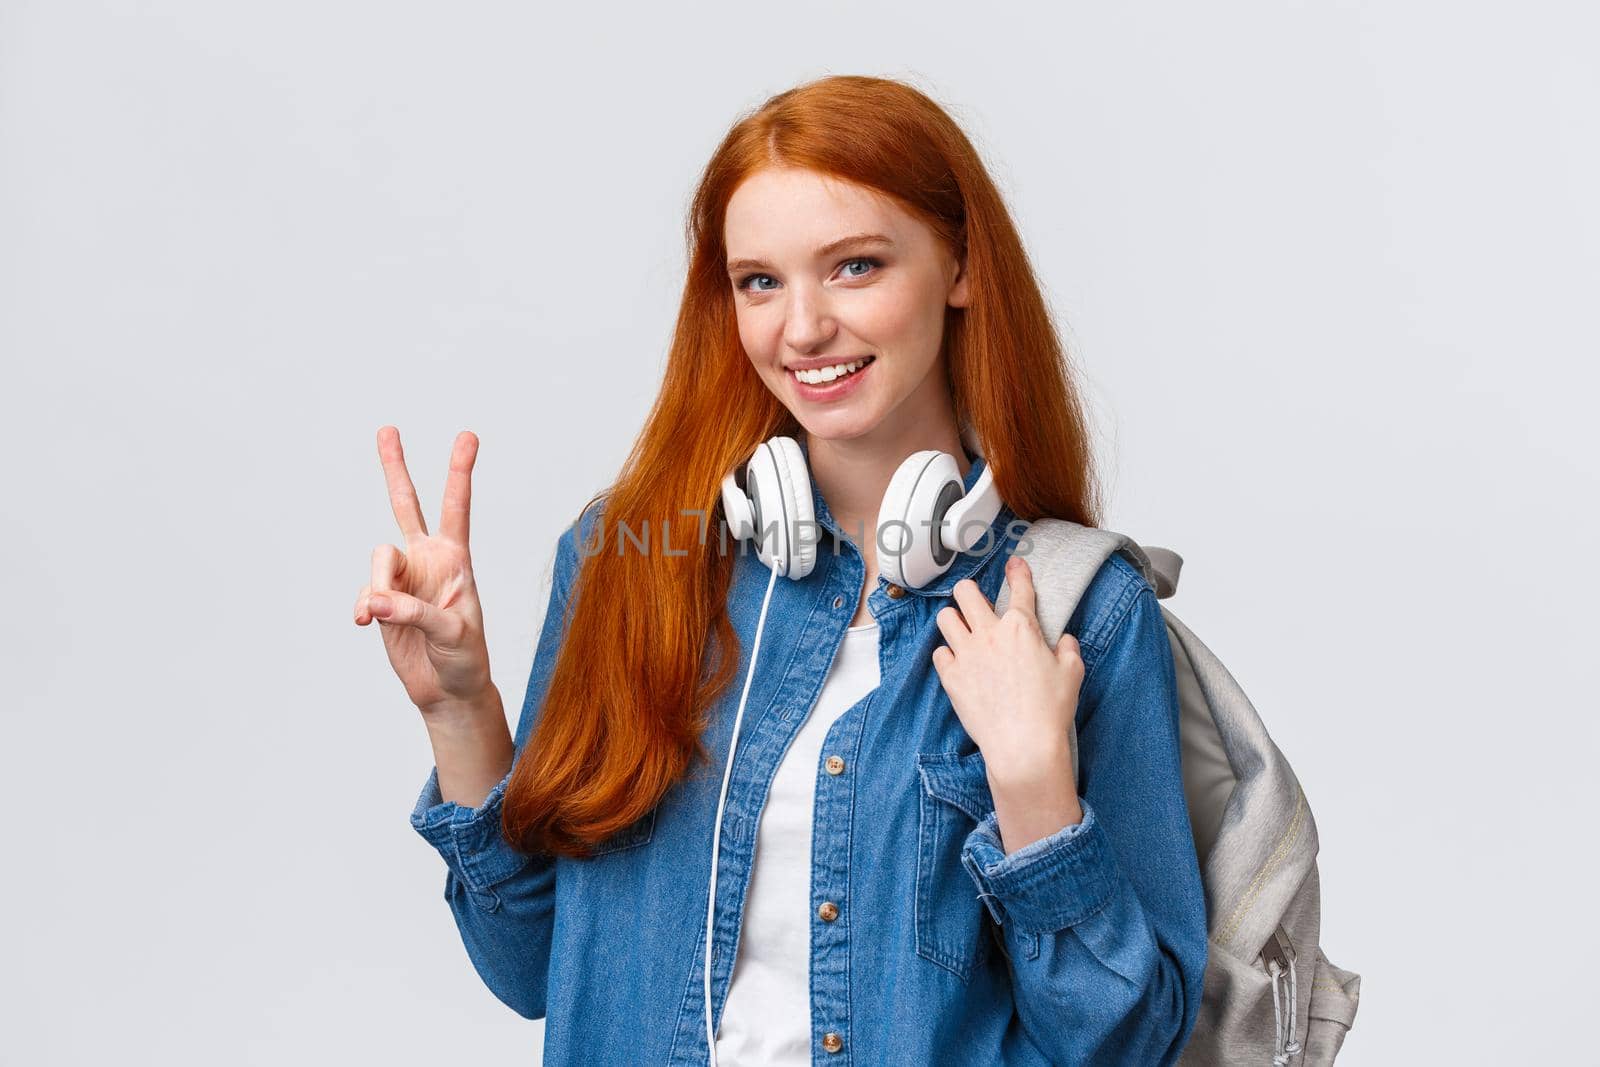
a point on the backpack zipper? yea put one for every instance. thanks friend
(1278, 956)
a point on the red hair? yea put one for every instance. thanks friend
(649, 646)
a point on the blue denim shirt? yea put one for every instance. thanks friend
(1085, 947)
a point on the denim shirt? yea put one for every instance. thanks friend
(1084, 947)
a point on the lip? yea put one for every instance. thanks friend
(833, 390)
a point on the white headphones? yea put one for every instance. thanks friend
(926, 517)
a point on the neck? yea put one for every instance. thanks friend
(852, 474)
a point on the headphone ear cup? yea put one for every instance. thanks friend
(765, 492)
(800, 516)
(778, 498)
(911, 552)
(737, 509)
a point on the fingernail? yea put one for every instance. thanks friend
(378, 605)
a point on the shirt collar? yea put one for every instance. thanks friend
(965, 565)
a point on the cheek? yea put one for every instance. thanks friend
(751, 338)
(900, 316)
(755, 337)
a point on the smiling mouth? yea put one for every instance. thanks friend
(824, 375)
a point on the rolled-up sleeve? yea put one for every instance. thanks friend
(502, 899)
(1055, 882)
(468, 839)
(1105, 920)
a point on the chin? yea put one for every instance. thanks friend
(837, 426)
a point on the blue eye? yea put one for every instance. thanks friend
(744, 283)
(862, 259)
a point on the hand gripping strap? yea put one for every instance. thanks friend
(1064, 557)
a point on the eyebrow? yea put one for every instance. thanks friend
(736, 265)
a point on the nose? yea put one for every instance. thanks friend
(809, 323)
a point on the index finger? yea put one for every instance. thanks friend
(402, 494)
(455, 514)
(1020, 575)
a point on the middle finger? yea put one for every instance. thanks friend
(975, 607)
(402, 493)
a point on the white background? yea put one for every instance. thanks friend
(1329, 270)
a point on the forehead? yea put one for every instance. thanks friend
(789, 210)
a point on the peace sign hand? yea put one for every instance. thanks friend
(424, 598)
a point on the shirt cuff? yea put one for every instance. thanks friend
(1046, 885)
(469, 839)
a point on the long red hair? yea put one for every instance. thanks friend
(649, 645)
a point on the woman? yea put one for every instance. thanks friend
(907, 871)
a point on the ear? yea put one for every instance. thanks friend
(960, 295)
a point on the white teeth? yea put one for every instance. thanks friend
(827, 374)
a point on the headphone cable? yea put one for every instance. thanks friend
(716, 829)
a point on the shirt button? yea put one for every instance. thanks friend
(835, 765)
(838, 601)
(829, 911)
(832, 1041)
(895, 592)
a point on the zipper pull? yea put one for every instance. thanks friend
(1278, 956)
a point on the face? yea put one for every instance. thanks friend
(828, 274)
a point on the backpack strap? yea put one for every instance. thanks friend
(1064, 557)
(1166, 563)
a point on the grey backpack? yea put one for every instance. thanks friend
(1271, 996)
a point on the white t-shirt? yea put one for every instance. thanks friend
(767, 1017)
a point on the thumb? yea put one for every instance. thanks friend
(1067, 649)
(403, 609)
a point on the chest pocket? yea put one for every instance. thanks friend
(951, 920)
(631, 836)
